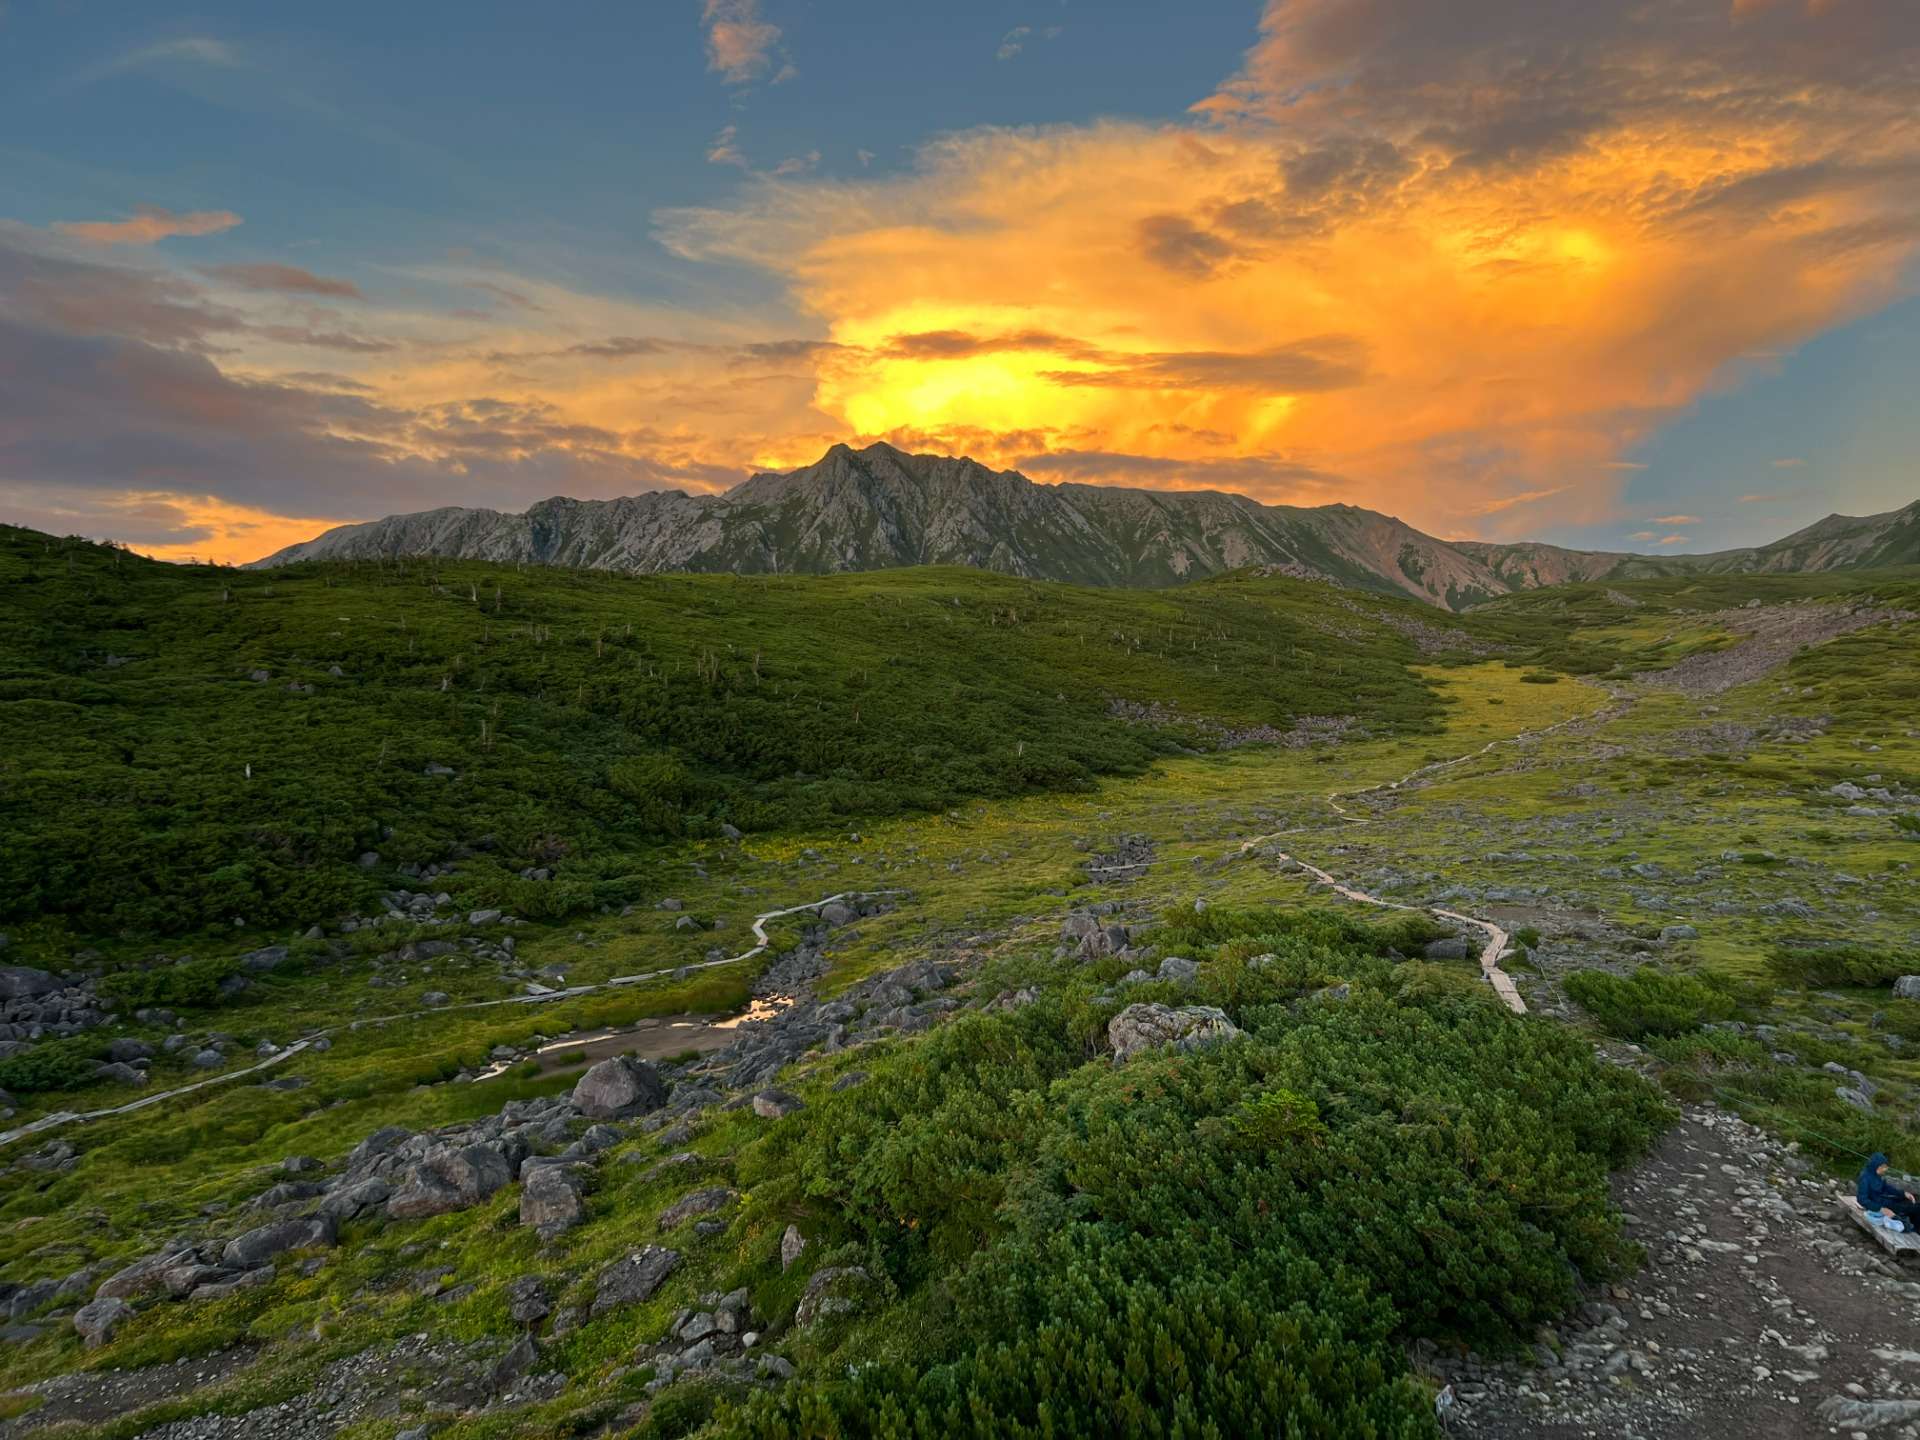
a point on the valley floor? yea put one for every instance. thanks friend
(1604, 829)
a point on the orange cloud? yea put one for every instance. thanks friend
(148, 224)
(284, 280)
(1453, 262)
(1676, 519)
(740, 45)
(1529, 262)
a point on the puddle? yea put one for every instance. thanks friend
(659, 1038)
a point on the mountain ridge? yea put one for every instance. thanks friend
(880, 507)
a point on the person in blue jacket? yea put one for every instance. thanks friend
(1875, 1192)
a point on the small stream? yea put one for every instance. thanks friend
(661, 1037)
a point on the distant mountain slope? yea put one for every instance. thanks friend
(880, 507)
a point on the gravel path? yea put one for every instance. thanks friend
(1762, 1314)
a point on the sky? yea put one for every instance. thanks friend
(1625, 276)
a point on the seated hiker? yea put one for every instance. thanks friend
(1877, 1194)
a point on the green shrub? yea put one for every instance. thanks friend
(1649, 1001)
(63, 1064)
(1850, 964)
(1248, 1232)
(194, 983)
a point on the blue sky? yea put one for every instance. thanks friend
(270, 267)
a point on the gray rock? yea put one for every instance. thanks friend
(209, 1060)
(550, 1200)
(514, 1364)
(634, 1279)
(700, 1202)
(127, 1048)
(1176, 968)
(351, 1201)
(483, 917)
(772, 1104)
(434, 999)
(1451, 948)
(116, 1073)
(143, 1277)
(792, 1243)
(449, 1178)
(383, 1141)
(699, 1325)
(619, 1087)
(22, 982)
(190, 1274)
(266, 958)
(256, 1247)
(527, 1300)
(1671, 933)
(1140, 1028)
(1851, 1414)
(1907, 987)
(832, 1290)
(96, 1321)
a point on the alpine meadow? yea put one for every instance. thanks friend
(736, 720)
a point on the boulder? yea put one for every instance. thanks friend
(190, 1274)
(527, 1300)
(1451, 948)
(127, 1048)
(1671, 933)
(832, 1290)
(700, 1202)
(209, 1060)
(22, 982)
(117, 1073)
(1907, 987)
(350, 1202)
(1148, 1027)
(142, 1277)
(792, 1243)
(1176, 968)
(772, 1104)
(550, 1200)
(1847, 1413)
(258, 1246)
(634, 1279)
(449, 1178)
(383, 1141)
(98, 1319)
(619, 1087)
(264, 959)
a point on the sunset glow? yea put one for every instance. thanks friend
(1455, 272)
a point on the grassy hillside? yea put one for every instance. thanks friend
(1026, 1232)
(190, 747)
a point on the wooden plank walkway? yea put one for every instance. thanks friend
(1894, 1242)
